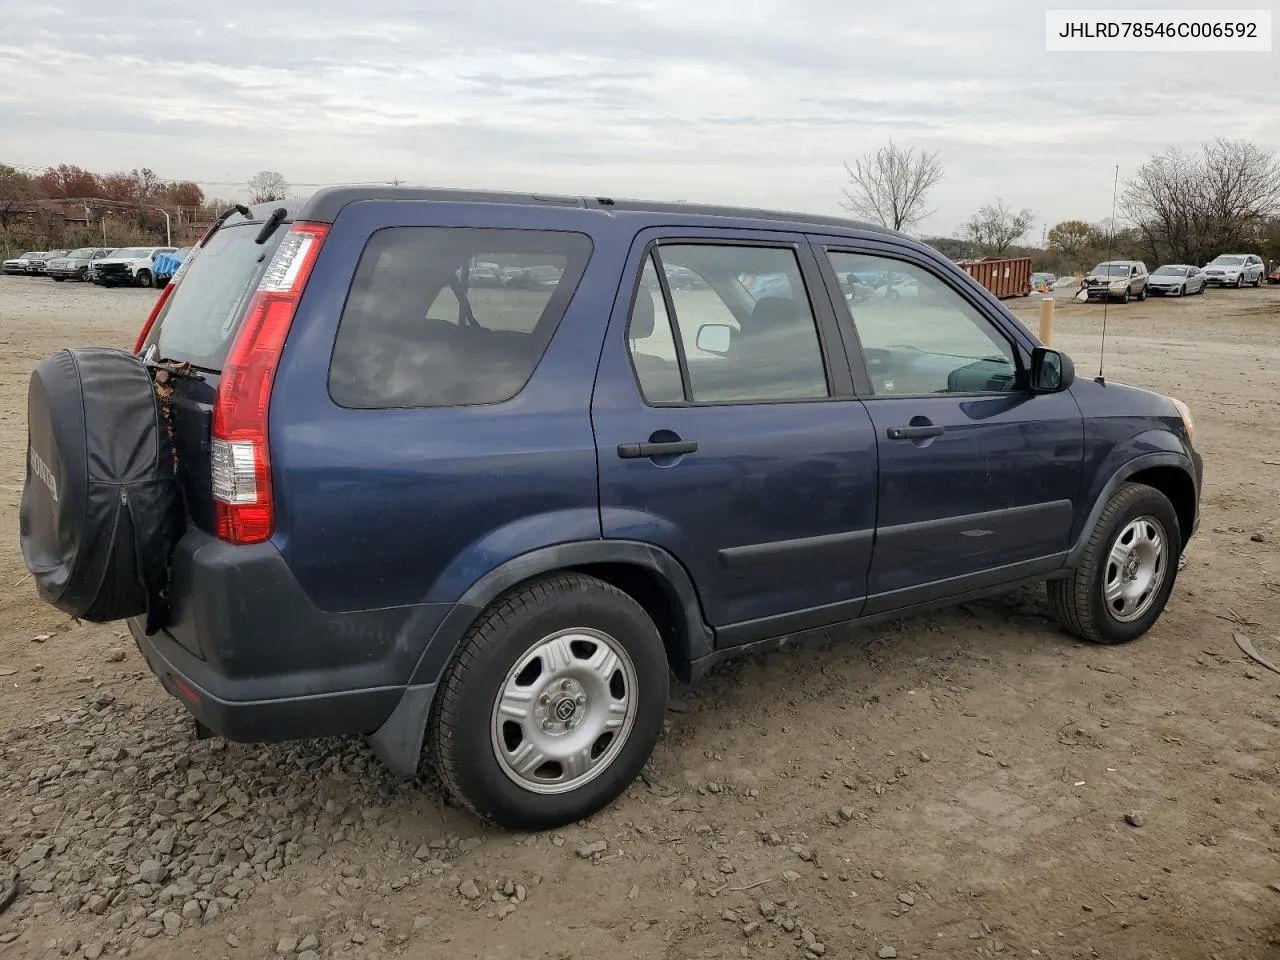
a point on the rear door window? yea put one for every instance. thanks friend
(198, 321)
(429, 322)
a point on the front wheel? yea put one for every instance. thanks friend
(1125, 298)
(1240, 282)
(1182, 290)
(142, 278)
(1127, 572)
(552, 704)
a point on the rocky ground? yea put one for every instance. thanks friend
(968, 784)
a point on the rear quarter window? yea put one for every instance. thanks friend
(429, 322)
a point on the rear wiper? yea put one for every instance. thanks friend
(222, 218)
(268, 228)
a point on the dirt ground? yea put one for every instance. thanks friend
(949, 786)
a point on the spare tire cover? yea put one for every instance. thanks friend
(101, 506)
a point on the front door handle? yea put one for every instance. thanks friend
(668, 448)
(923, 432)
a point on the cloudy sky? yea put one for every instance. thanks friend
(743, 101)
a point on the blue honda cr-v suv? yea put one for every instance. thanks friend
(478, 472)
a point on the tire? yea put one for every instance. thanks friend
(530, 628)
(1258, 282)
(143, 278)
(1240, 282)
(1125, 298)
(1182, 290)
(1142, 294)
(101, 508)
(1080, 602)
(83, 274)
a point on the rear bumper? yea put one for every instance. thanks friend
(254, 659)
(264, 719)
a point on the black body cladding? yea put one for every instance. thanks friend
(101, 509)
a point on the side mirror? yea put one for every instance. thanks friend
(715, 338)
(1051, 371)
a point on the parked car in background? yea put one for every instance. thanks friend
(165, 265)
(485, 275)
(1274, 276)
(128, 267)
(75, 265)
(17, 266)
(1117, 280)
(499, 539)
(1235, 270)
(37, 266)
(1176, 280)
(1041, 281)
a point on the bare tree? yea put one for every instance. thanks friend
(995, 228)
(267, 185)
(1191, 208)
(890, 185)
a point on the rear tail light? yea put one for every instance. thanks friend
(241, 467)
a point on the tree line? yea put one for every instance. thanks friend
(1178, 207)
(68, 206)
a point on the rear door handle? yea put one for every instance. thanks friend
(914, 433)
(670, 448)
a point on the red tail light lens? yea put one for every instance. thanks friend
(241, 467)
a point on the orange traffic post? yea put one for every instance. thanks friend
(1046, 321)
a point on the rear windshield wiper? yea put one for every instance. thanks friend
(222, 218)
(268, 228)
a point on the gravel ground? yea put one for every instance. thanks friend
(971, 783)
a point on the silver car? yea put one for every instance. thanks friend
(1235, 270)
(1176, 280)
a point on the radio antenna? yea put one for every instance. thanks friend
(1111, 247)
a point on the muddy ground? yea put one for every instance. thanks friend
(949, 786)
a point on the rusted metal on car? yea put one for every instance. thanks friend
(1004, 278)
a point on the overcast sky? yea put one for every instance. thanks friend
(742, 101)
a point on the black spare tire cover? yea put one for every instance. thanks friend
(101, 507)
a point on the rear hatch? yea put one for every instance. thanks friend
(195, 329)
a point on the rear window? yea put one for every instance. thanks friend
(197, 323)
(425, 325)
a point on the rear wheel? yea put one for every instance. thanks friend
(552, 704)
(1127, 572)
(1142, 294)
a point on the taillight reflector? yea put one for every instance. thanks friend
(241, 466)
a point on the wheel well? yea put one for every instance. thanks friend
(1177, 485)
(652, 591)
